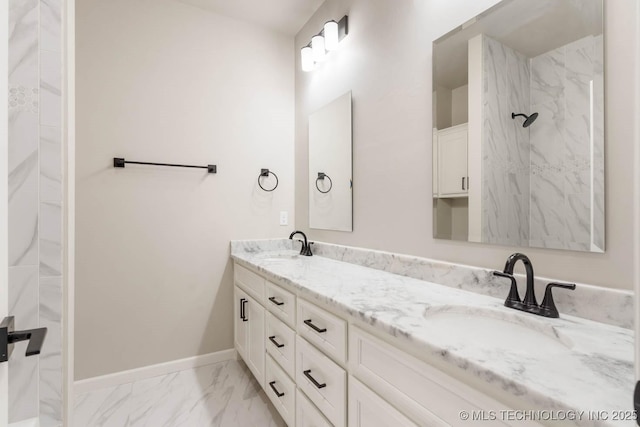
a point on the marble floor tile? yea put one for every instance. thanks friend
(223, 394)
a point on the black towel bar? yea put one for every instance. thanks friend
(119, 162)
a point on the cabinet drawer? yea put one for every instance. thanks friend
(434, 398)
(281, 391)
(367, 409)
(281, 344)
(307, 415)
(326, 331)
(250, 282)
(281, 303)
(322, 380)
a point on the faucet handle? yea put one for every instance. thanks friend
(548, 306)
(307, 251)
(513, 299)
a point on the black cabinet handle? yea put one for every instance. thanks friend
(242, 313)
(307, 374)
(314, 327)
(276, 302)
(463, 182)
(276, 343)
(8, 336)
(272, 384)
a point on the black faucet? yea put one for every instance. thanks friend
(306, 246)
(529, 304)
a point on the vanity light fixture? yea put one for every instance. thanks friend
(317, 46)
(326, 41)
(331, 35)
(306, 55)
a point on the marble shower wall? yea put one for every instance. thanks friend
(562, 195)
(35, 205)
(543, 186)
(505, 151)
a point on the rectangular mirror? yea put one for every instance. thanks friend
(330, 198)
(518, 116)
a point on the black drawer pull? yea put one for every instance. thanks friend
(307, 374)
(242, 313)
(276, 343)
(314, 327)
(276, 302)
(272, 384)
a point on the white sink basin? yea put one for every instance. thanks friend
(497, 329)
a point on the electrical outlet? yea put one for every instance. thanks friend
(284, 218)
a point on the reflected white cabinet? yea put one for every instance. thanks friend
(249, 333)
(453, 179)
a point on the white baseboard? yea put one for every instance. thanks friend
(125, 377)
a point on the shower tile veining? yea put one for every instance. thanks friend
(221, 394)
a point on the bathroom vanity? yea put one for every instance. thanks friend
(337, 343)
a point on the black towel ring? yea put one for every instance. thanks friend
(265, 173)
(321, 177)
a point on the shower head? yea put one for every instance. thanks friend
(528, 120)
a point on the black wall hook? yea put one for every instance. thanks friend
(266, 173)
(321, 177)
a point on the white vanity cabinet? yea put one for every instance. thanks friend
(453, 179)
(331, 371)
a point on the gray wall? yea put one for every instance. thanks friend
(35, 206)
(386, 63)
(163, 81)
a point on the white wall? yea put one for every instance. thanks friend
(459, 105)
(162, 81)
(386, 63)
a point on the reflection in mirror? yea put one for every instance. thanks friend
(330, 200)
(518, 138)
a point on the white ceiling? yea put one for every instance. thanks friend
(283, 16)
(529, 27)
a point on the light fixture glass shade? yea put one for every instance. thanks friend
(317, 45)
(331, 35)
(306, 57)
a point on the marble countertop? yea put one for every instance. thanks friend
(572, 364)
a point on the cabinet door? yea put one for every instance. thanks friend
(367, 409)
(240, 325)
(452, 165)
(255, 359)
